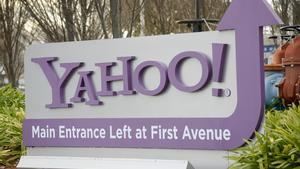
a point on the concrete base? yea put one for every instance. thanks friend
(52, 162)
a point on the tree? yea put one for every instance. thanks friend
(115, 11)
(283, 8)
(161, 15)
(214, 9)
(288, 11)
(69, 20)
(101, 8)
(13, 18)
(65, 20)
(296, 12)
(131, 14)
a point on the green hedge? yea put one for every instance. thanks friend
(11, 117)
(277, 147)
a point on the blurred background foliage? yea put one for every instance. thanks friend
(11, 118)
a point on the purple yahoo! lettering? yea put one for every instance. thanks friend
(57, 84)
(107, 78)
(174, 70)
(138, 78)
(219, 57)
(85, 83)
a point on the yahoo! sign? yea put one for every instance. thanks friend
(132, 80)
(186, 91)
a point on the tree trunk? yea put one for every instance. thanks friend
(68, 14)
(142, 18)
(101, 10)
(115, 9)
(13, 80)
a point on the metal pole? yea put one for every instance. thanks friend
(198, 9)
(198, 27)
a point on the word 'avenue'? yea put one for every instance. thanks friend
(205, 134)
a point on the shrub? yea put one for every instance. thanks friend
(277, 147)
(11, 118)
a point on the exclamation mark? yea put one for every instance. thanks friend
(219, 54)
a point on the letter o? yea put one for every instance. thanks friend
(138, 78)
(174, 76)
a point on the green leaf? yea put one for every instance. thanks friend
(277, 147)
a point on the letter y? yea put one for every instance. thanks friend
(57, 84)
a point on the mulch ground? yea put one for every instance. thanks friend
(4, 167)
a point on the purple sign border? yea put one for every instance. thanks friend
(242, 123)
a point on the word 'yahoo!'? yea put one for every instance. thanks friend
(132, 78)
